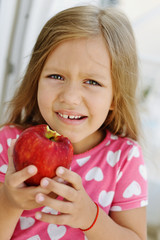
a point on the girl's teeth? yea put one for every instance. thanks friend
(70, 117)
(65, 116)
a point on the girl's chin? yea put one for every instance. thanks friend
(75, 139)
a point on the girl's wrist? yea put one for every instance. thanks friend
(5, 199)
(8, 203)
(95, 219)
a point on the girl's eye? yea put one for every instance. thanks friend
(56, 76)
(92, 82)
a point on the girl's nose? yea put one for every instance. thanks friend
(70, 94)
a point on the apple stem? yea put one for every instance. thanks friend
(51, 134)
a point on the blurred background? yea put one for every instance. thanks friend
(20, 24)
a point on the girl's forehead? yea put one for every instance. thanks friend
(91, 49)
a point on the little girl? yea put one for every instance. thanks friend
(81, 81)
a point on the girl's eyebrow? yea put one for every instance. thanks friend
(96, 75)
(52, 68)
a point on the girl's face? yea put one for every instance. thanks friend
(75, 91)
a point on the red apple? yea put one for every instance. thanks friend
(44, 148)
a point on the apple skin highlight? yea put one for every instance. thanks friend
(44, 148)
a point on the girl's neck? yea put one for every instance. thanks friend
(90, 142)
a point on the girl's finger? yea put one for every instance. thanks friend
(11, 168)
(58, 205)
(71, 177)
(60, 189)
(19, 177)
(62, 219)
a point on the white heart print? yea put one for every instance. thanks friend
(1, 148)
(56, 232)
(26, 222)
(36, 237)
(119, 175)
(107, 144)
(94, 174)
(114, 137)
(143, 171)
(82, 161)
(49, 210)
(116, 208)
(113, 157)
(3, 168)
(133, 189)
(9, 142)
(144, 203)
(105, 198)
(134, 152)
(129, 143)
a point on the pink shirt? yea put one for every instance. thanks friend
(113, 174)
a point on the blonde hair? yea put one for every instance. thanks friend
(78, 22)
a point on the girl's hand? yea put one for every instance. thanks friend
(76, 209)
(16, 193)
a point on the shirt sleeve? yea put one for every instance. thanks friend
(7, 133)
(131, 188)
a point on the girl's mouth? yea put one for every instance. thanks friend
(71, 119)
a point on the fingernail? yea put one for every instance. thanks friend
(32, 169)
(40, 198)
(38, 215)
(60, 170)
(60, 180)
(45, 182)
